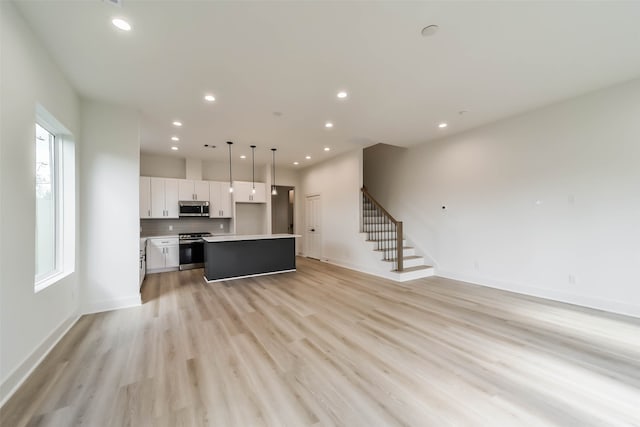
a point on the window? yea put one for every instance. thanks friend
(55, 201)
(47, 196)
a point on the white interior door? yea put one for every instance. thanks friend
(312, 227)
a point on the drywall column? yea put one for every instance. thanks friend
(30, 323)
(338, 182)
(109, 206)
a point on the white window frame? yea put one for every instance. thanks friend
(63, 191)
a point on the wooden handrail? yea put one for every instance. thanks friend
(398, 225)
(378, 205)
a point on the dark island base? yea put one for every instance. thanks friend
(242, 258)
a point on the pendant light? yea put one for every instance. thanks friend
(253, 169)
(229, 143)
(274, 191)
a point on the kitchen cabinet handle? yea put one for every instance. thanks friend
(149, 212)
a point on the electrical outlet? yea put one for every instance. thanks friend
(572, 279)
(221, 226)
(171, 228)
(476, 264)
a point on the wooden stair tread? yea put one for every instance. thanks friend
(410, 257)
(416, 268)
(389, 249)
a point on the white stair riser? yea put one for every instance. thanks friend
(375, 220)
(405, 252)
(414, 262)
(370, 228)
(408, 261)
(387, 246)
(404, 276)
(382, 235)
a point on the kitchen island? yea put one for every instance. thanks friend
(237, 256)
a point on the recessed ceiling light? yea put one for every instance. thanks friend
(121, 24)
(442, 125)
(327, 149)
(243, 157)
(177, 123)
(174, 148)
(209, 98)
(307, 157)
(296, 163)
(429, 30)
(175, 138)
(342, 94)
(328, 125)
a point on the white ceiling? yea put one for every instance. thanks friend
(492, 59)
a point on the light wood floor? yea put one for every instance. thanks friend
(327, 346)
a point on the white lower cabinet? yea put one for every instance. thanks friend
(163, 254)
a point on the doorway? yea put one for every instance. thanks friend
(282, 210)
(313, 230)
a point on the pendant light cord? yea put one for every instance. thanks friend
(230, 176)
(273, 172)
(253, 166)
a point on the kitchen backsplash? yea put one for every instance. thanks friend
(160, 227)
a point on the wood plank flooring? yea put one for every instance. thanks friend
(331, 347)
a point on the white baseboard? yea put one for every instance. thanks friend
(112, 304)
(14, 380)
(617, 307)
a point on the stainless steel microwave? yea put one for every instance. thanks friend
(193, 208)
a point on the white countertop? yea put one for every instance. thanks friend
(163, 236)
(238, 237)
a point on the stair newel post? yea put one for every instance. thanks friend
(399, 235)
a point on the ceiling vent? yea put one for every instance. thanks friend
(114, 2)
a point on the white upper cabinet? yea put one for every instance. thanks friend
(242, 192)
(145, 197)
(193, 190)
(171, 197)
(164, 198)
(220, 200)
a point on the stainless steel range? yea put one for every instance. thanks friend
(192, 250)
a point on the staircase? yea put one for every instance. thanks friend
(384, 235)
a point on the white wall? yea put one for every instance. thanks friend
(29, 323)
(531, 200)
(338, 183)
(109, 206)
(241, 170)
